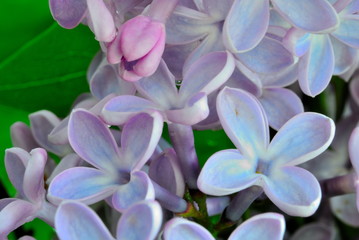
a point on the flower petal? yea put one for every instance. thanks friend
(294, 190)
(207, 74)
(75, 220)
(315, 231)
(179, 229)
(119, 109)
(302, 138)
(227, 172)
(105, 81)
(245, 25)
(344, 208)
(165, 171)
(16, 160)
(304, 14)
(34, 187)
(354, 149)
(345, 56)
(139, 138)
(244, 121)
(280, 105)
(346, 32)
(137, 189)
(14, 215)
(319, 56)
(85, 184)
(42, 123)
(186, 25)
(102, 21)
(194, 111)
(92, 140)
(68, 13)
(141, 221)
(21, 136)
(159, 87)
(269, 48)
(266, 226)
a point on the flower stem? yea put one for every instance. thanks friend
(183, 142)
(339, 185)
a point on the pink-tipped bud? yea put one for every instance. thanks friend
(138, 48)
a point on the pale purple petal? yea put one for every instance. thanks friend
(302, 138)
(187, 25)
(16, 160)
(246, 24)
(345, 56)
(14, 215)
(74, 220)
(258, 61)
(211, 43)
(140, 136)
(207, 74)
(294, 190)
(95, 63)
(5, 201)
(67, 162)
(137, 189)
(85, 184)
(314, 231)
(27, 238)
(347, 31)
(21, 136)
(266, 226)
(344, 207)
(68, 13)
(119, 109)
(180, 228)
(33, 185)
(165, 171)
(354, 89)
(227, 172)
(159, 87)
(91, 139)
(42, 123)
(217, 9)
(216, 205)
(319, 56)
(106, 80)
(141, 221)
(280, 105)
(354, 149)
(59, 134)
(175, 57)
(304, 14)
(243, 120)
(102, 20)
(194, 111)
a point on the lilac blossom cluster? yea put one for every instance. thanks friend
(238, 65)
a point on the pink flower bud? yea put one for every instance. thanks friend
(138, 47)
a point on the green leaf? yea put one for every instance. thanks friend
(49, 71)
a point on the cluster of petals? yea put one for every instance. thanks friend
(268, 165)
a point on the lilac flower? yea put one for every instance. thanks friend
(263, 226)
(334, 51)
(186, 106)
(26, 172)
(74, 220)
(117, 172)
(270, 166)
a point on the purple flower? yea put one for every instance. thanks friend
(26, 172)
(265, 226)
(117, 172)
(270, 166)
(74, 220)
